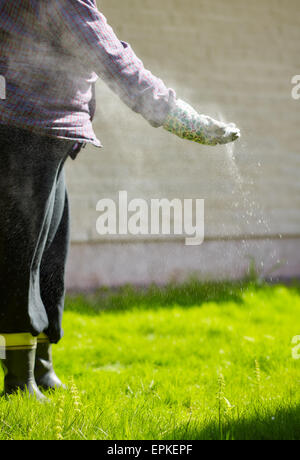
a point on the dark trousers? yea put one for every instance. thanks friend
(34, 232)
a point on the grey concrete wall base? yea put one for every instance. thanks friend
(140, 263)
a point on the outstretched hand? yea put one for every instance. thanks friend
(186, 123)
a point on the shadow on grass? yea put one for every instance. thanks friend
(154, 297)
(295, 285)
(281, 424)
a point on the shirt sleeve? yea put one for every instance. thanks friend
(113, 60)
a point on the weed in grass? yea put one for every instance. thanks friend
(75, 397)
(258, 378)
(59, 418)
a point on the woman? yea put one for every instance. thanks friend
(51, 54)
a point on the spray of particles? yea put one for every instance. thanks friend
(252, 214)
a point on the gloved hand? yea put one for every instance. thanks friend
(186, 123)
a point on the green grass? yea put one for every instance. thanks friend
(197, 361)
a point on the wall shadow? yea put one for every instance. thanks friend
(155, 297)
(280, 424)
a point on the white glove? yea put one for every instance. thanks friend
(186, 123)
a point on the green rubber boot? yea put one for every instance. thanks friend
(18, 360)
(44, 373)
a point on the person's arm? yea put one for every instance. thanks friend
(113, 60)
(116, 63)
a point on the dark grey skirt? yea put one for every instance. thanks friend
(34, 232)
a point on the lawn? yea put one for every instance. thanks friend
(197, 361)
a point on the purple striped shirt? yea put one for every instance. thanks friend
(51, 54)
